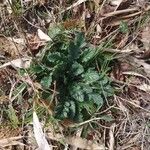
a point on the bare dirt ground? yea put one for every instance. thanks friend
(125, 25)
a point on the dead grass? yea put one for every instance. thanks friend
(125, 28)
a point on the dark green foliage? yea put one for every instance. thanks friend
(70, 62)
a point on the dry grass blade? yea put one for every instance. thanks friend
(39, 135)
(132, 73)
(10, 141)
(144, 87)
(74, 5)
(124, 51)
(136, 105)
(121, 12)
(130, 10)
(112, 139)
